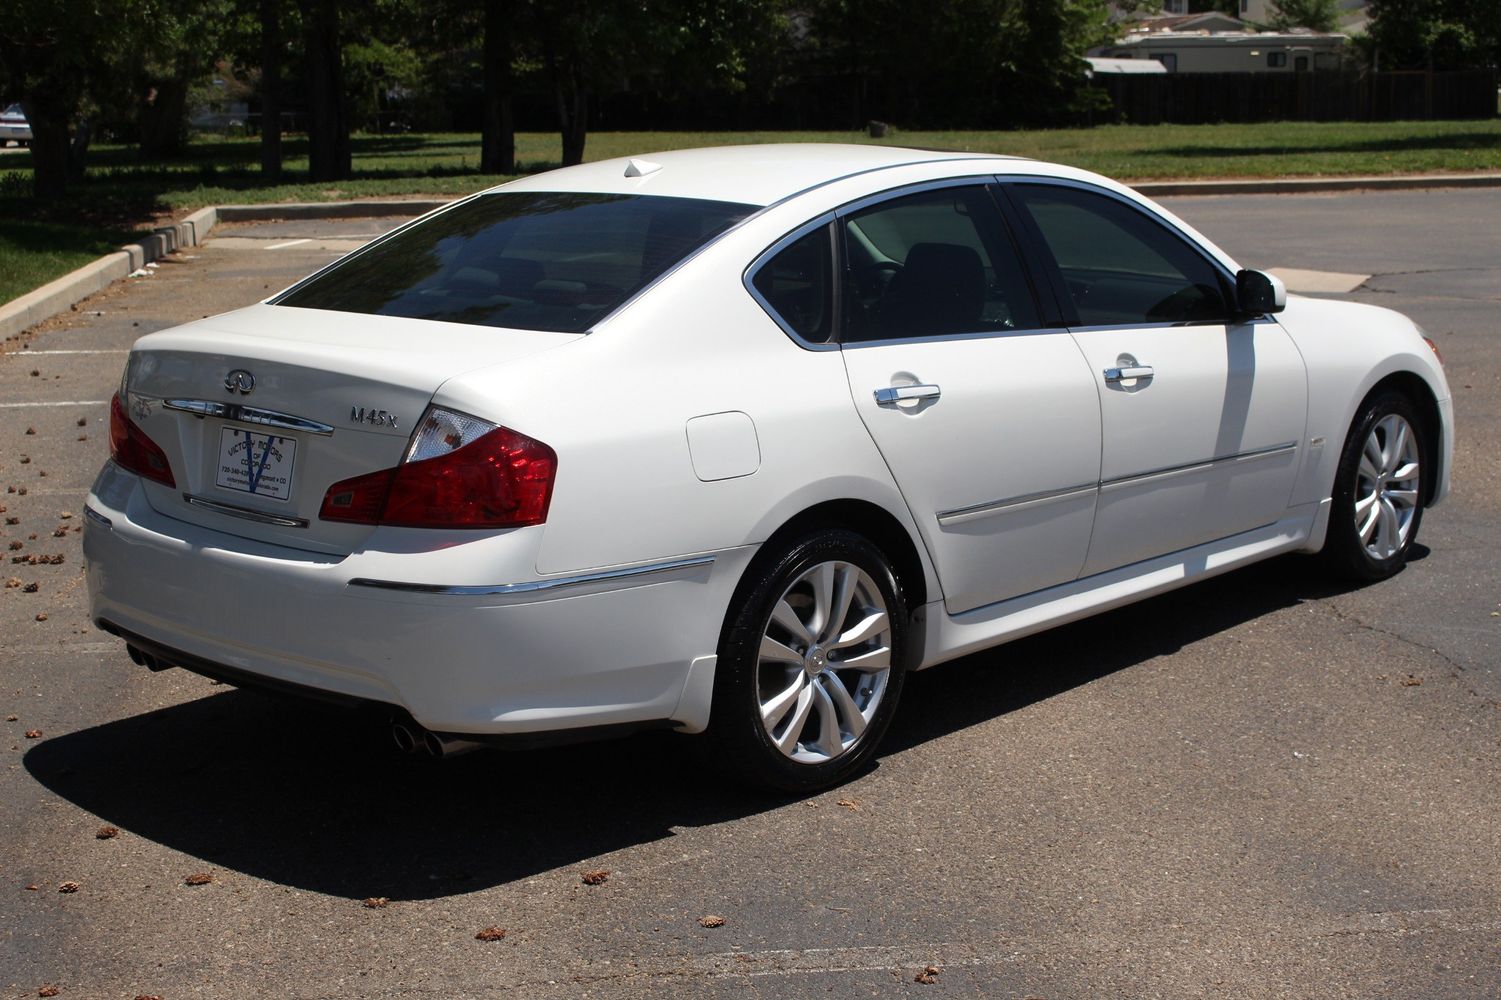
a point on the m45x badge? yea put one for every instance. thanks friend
(380, 418)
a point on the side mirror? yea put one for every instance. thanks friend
(1257, 292)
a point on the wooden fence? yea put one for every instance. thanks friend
(1321, 95)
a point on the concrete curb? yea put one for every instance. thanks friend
(58, 296)
(1312, 185)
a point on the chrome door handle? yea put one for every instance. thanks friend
(891, 395)
(1123, 374)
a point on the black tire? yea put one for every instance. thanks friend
(1346, 554)
(744, 678)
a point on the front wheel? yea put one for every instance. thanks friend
(811, 663)
(1378, 491)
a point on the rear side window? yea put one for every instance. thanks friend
(524, 260)
(932, 264)
(798, 285)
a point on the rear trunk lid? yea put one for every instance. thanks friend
(260, 410)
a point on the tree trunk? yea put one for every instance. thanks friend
(328, 109)
(161, 118)
(498, 136)
(271, 90)
(573, 116)
(49, 149)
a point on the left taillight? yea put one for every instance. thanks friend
(459, 472)
(133, 450)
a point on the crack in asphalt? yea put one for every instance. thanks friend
(903, 960)
(1350, 618)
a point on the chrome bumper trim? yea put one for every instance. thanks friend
(98, 518)
(258, 516)
(536, 586)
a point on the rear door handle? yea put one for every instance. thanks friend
(893, 394)
(1125, 374)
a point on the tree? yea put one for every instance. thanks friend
(329, 154)
(1436, 34)
(186, 39)
(51, 53)
(1317, 15)
(497, 146)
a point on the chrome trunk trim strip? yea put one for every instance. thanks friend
(536, 586)
(248, 415)
(258, 516)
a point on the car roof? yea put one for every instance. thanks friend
(754, 175)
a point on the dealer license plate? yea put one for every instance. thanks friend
(255, 463)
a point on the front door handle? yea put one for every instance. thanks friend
(894, 394)
(1126, 374)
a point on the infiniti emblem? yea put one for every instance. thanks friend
(239, 381)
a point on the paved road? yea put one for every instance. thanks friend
(1260, 786)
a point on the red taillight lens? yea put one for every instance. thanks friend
(133, 450)
(501, 479)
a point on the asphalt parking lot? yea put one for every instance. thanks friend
(1262, 786)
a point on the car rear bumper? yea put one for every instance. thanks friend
(611, 649)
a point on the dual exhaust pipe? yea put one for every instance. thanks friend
(408, 736)
(412, 739)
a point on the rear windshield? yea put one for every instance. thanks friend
(528, 261)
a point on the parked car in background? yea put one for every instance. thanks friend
(13, 126)
(733, 439)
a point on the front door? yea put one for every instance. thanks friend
(1203, 413)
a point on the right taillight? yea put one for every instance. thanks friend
(459, 472)
(133, 450)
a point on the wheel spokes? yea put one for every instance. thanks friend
(778, 652)
(774, 710)
(785, 616)
(787, 743)
(851, 720)
(871, 625)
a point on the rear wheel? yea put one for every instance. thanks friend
(1378, 491)
(811, 663)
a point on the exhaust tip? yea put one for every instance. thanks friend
(136, 656)
(403, 737)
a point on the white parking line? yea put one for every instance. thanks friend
(289, 243)
(25, 354)
(71, 402)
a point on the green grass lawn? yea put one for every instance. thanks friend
(120, 192)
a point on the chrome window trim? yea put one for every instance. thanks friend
(248, 415)
(1174, 471)
(245, 513)
(535, 587)
(980, 511)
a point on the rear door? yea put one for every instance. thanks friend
(1203, 413)
(985, 413)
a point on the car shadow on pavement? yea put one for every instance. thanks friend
(312, 797)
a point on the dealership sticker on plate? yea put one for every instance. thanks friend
(255, 463)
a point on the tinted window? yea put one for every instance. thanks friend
(530, 261)
(930, 264)
(798, 285)
(1120, 265)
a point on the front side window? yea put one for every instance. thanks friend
(1120, 265)
(524, 260)
(1276, 60)
(932, 264)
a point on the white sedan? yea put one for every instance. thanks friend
(733, 439)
